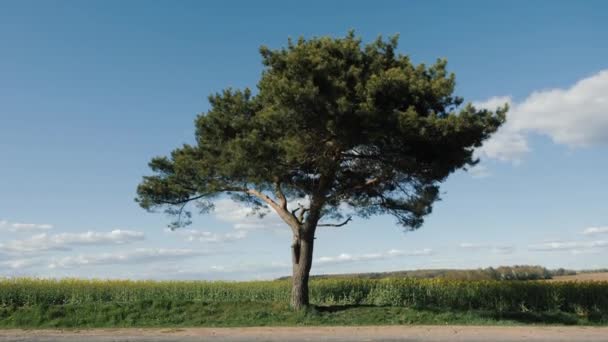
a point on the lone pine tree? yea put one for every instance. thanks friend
(355, 130)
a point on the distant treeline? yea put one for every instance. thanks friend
(517, 272)
(598, 270)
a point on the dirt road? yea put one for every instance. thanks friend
(334, 334)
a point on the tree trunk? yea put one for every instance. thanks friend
(302, 261)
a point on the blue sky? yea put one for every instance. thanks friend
(90, 91)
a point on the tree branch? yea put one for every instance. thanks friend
(185, 201)
(178, 222)
(280, 208)
(263, 197)
(336, 224)
(280, 195)
(302, 213)
(283, 212)
(369, 182)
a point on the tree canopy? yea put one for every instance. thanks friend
(360, 124)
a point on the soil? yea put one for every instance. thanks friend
(335, 334)
(603, 276)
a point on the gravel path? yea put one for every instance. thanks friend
(335, 334)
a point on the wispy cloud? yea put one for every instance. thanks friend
(19, 264)
(238, 270)
(496, 249)
(595, 230)
(137, 256)
(23, 227)
(479, 171)
(244, 218)
(393, 253)
(252, 267)
(572, 246)
(64, 241)
(209, 237)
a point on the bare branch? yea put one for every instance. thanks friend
(302, 211)
(336, 224)
(178, 222)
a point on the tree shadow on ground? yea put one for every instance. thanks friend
(537, 317)
(549, 317)
(530, 317)
(338, 308)
(545, 317)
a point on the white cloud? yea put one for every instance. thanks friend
(239, 270)
(393, 253)
(419, 252)
(493, 103)
(137, 256)
(230, 211)
(210, 237)
(251, 267)
(479, 171)
(19, 264)
(575, 117)
(469, 245)
(63, 241)
(256, 226)
(503, 249)
(244, 218)
(508, 143)
(576, 247)
(595, 230)
(20, 227)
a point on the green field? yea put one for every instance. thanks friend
(99, 303)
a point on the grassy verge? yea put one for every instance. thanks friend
(198, 314)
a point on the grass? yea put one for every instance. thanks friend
(200, 314)
(75, 303)
(449, 295)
